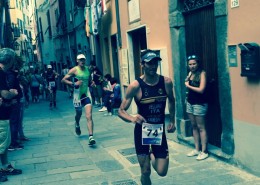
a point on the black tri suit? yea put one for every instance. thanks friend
(152, 107)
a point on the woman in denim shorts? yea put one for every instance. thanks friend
(197, 106)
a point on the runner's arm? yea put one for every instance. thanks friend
(56, 74)
(131, 92)
(171, 104)
(66, 78)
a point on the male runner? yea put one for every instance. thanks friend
(80, 75)
(51, 78)
(150, 92)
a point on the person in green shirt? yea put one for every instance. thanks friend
(80, 76)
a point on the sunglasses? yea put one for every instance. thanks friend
(192, 57)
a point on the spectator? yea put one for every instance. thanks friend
(115, 97)
(16, 108)
(107, 91)
(96, 83)
(197, 106)
(7, 59)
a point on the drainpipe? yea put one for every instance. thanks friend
(9, 40)
(38, 40)
(69, 47)
(118, 25)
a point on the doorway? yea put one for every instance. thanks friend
(137, 43)
(115, 57)
(200, 30)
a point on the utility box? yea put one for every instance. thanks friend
(250, 59)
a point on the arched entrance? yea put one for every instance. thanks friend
(200, 27)
(200, 31)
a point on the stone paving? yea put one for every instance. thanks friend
(56, 156)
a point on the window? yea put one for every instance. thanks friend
(49, 23)
(41, 33)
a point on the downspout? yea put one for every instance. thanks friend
(38, 34)
(9, 40)
(119, 40)
(69, 47)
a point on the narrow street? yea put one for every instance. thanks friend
(56, 156)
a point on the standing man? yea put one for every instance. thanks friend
(7, 59)
(16, 108)
(96, 83)
(150, 92)
(80, 82)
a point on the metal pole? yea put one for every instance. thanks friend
(69, 47)
(118, 24)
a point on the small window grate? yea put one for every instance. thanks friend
(127, 151)
(125, 182)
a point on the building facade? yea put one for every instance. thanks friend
(126, 28)
(222, 34)
(23, 31)
(61, 33)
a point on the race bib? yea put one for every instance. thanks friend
(76, 98)
(152, 134)
(52, 84)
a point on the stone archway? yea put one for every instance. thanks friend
(177, 30)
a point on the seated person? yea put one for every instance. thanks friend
(107, 91)
(115, 97)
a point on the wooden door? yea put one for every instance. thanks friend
(200, 33)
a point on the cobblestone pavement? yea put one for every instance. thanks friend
(56, 156)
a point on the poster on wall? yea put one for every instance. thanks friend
(133, 10)
(124, 68)
(232, 55)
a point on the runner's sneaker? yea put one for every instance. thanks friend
(77, 129)
(91, 140)
(193, 153)
(108, 114)
(103, 109)
(202, 156)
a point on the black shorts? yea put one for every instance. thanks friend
(159, 151)
(84, 101)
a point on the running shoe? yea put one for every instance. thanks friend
(10, 170)
(91, 140)
(108, 114)
(77, 129)
(193, 153)
(103, 109)
(202, 156)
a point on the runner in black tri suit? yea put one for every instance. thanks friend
(150, 92)
(51, 79)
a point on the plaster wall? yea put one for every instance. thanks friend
(47, 45)
(156, 19)
(243, 27)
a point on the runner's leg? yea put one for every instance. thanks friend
(160, 165)
(144, 162)
(88, 113)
